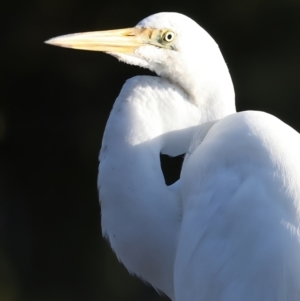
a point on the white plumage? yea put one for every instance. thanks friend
(228, 230)
(241, 213)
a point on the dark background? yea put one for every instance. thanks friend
(54, 104)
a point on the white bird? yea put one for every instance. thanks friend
(228, 230)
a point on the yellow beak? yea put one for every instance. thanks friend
(119, 40)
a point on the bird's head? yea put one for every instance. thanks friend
(170, 44)
(161, 42)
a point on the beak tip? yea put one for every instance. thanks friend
(50, 42)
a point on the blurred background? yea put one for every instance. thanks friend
(54, 104)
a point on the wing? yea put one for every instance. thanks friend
(239, 237)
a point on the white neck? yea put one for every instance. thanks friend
(140, 214)
(207, 82)
(199, 69)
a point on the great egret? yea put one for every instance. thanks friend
(229, 228)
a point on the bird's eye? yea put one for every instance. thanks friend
(168, 36)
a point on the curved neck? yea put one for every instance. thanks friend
(206, 80)
(140, 214)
